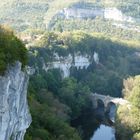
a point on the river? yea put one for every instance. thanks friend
(91, 124)
(104, 133)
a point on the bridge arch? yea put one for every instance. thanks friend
(100, 103)
(111, 106)
(108, 101)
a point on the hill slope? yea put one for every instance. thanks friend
(25, 14)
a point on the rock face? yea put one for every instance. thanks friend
(82, 13)
(107, 13)
(65, 63)
(14, 113)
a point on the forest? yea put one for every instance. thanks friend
(57, 102)
(60, 101)
(128, 120)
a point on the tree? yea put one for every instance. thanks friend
(128, 122)
(11, 49)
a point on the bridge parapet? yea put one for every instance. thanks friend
(108, 99)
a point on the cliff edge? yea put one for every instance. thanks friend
(14, 112)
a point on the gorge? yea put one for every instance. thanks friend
(83, 60)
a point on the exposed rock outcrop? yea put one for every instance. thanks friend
(106, 13)
(14, 113)
(65, 63)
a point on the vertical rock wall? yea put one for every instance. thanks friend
(14, 113)
(65, 63)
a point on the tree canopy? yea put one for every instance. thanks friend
(128, 122)
(11, 49)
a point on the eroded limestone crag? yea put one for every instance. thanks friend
(15, 117)
(65, 63)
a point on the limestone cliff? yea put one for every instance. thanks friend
(65, 63)
(107, 13)
(14, 113)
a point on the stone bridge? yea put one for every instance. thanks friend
(96, 98)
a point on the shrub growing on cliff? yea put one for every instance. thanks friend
(11, 49)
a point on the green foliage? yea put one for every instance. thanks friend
(11, 49)
(117, 60)
(128, 122)
(20, 13)
(98, 25)
(50, 115)
(130, 8)
(132, 90)
(54, 101)
(75, 95)
(58, 100)
(136, 136)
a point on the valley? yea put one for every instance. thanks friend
(76, 63)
